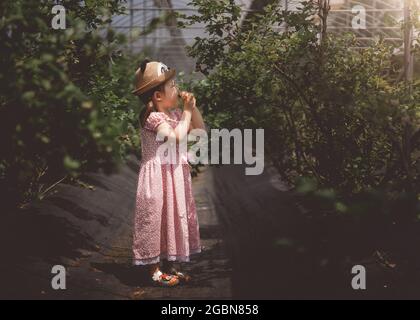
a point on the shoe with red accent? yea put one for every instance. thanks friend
(163, 279)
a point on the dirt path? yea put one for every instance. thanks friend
(89, 232)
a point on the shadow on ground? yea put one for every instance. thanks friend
(284, 254)
(89, 231)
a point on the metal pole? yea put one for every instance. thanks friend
(144, 23)
(408, 39)
(131, 26)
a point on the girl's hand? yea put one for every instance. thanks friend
(189, 100)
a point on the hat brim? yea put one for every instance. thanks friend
(159, 80)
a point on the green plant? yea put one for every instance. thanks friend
(329, 110)
(65, 106)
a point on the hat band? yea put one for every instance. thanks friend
(155, 81)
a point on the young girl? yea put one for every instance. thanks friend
(165, 223)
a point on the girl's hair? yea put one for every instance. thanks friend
(146, 97)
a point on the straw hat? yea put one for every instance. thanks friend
(154, 74)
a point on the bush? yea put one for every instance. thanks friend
(63, 96)
(328, 111)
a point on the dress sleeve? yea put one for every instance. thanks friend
(154, 120)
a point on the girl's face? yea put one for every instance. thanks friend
(169, 98)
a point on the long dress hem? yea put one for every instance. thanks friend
(180, 258)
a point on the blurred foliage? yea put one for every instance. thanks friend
(64, 95)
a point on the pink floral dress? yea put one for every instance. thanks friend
(165, 222)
